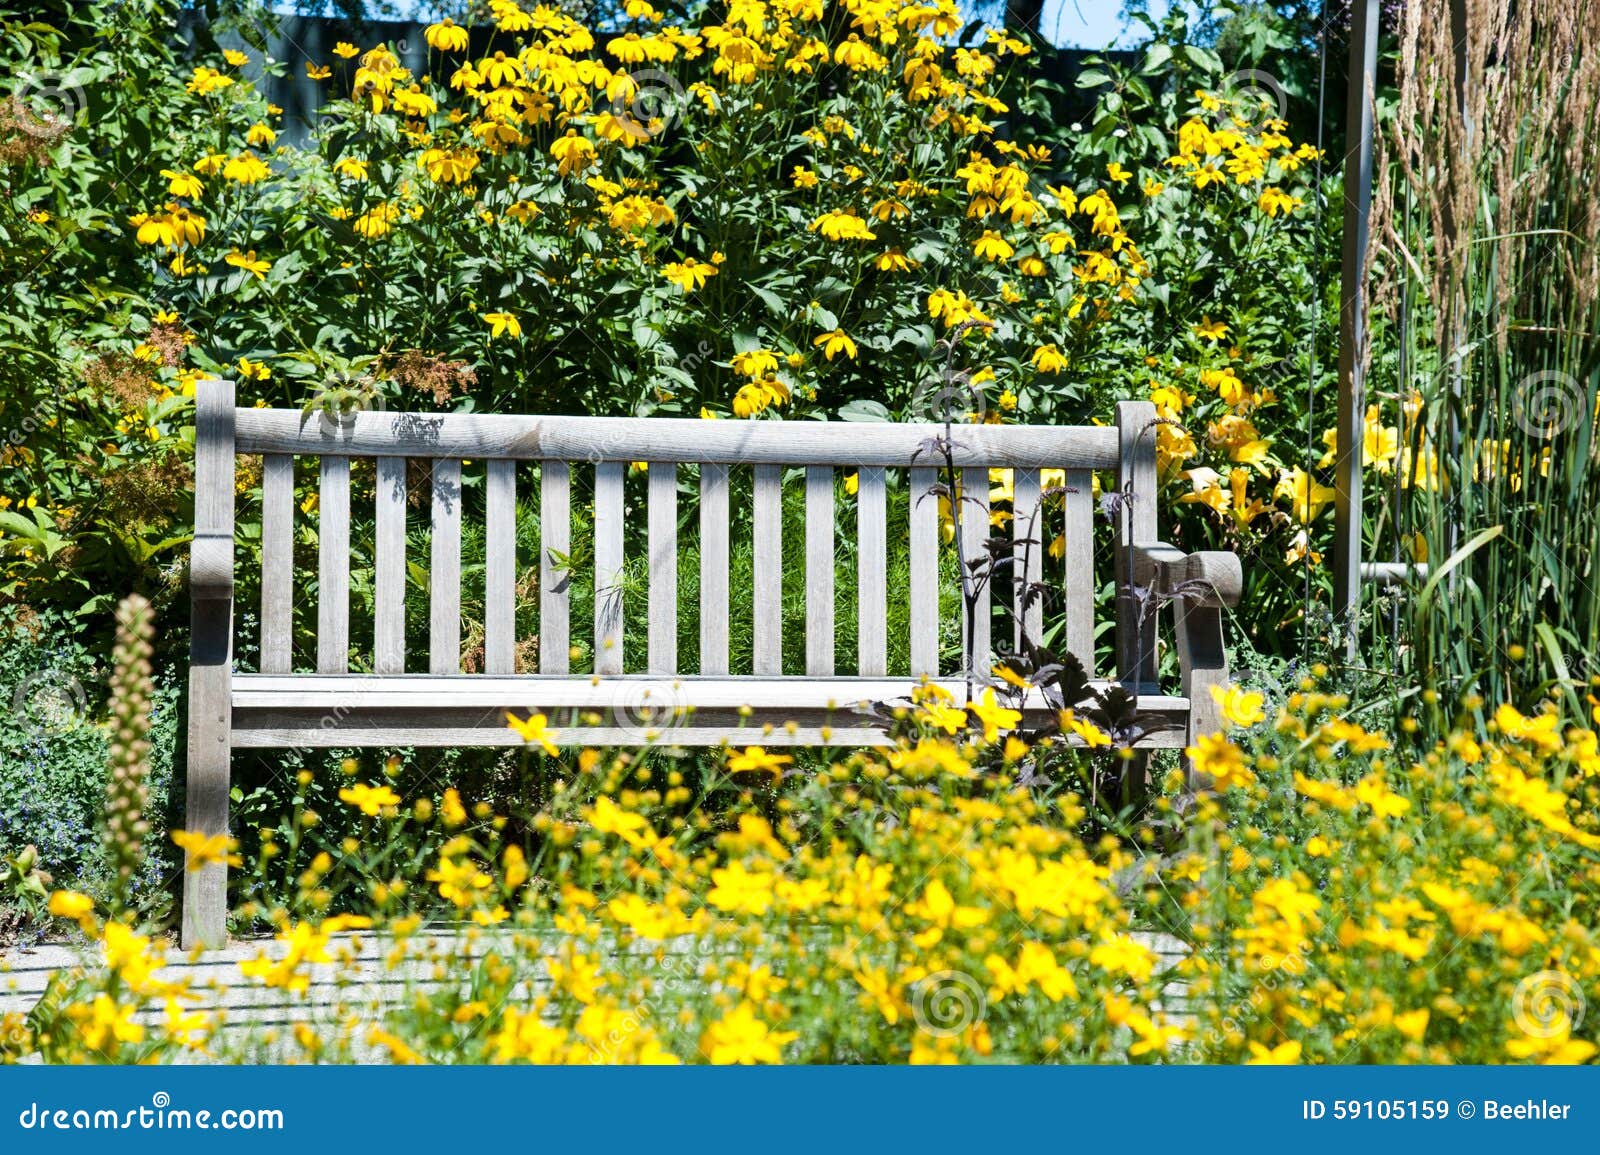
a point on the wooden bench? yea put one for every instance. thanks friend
(389, 704)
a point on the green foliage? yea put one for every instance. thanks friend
(54, 756)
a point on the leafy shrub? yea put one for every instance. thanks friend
(1337, 898)
(53, 758)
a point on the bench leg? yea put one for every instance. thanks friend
(205, 891)
(1203, 663)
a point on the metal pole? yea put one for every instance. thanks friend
(1352, 321)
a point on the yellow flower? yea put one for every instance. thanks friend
(1240, 707)
(533, 728)
(1120, 954)
(991, 246)
(203, 849)
(688, 275)
(759, 761)
(1274, 201)
(349, 166)
(260, 136)
(183, 184)
(345, 49)
(1117, 173)
(446, 36)
(253, 370)
(249, 263)
(1308, 496)
(503, 325)
(317, 71)
(370, 800)
(71, 904)
(842, 225)
(1284, 1054)
(246, 168)
(836, 342)
(634, 829)
(1210, 330)
(738, 890)
(234, 57)
(1412, 1024)
(992, 717)
(1221, 761)
(1091, 734)
(573, 153)
(740, 1037)
(1049, 359)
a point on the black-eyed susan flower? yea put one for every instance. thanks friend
(834, 343)
(446, 36)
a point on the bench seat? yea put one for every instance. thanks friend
(277, 710)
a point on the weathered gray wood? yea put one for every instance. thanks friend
(872, 559)
(1027, 564)
(1202, 666)
(420, 710)
(663, 657)
(482, 436)
(333, 567)
(205, 890)
(973, 520)
(924, 592)
(277, 564)
(819, 570)
(1078, 578)
(1207, 578)
(389, 578)
(768, 643)
(1135, 523)
(608, 515)
(555, 544)
(713, 569)
(500, 568)
(444, 580)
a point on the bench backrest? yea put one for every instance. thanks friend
(510, 449)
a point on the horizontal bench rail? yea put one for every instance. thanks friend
(480, 436)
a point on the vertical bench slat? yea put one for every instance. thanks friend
(333, 566)
(819, 570)
(924, 594)
(872, 545)
(205, 884)
(555, 543)
(500, 569)
(389, 579)
(1078, 581)
(769, 569)
(1136, 525)
(444, 600)
(663, 657)
(974, 520)
(608, 479)
(277, 563)
(1027, 568)
(713, 569)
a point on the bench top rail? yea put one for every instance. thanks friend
(480, 436)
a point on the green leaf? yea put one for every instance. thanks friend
(863, 410)
(1159, 56)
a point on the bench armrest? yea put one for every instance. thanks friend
(211, 567)
(1208, 578)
